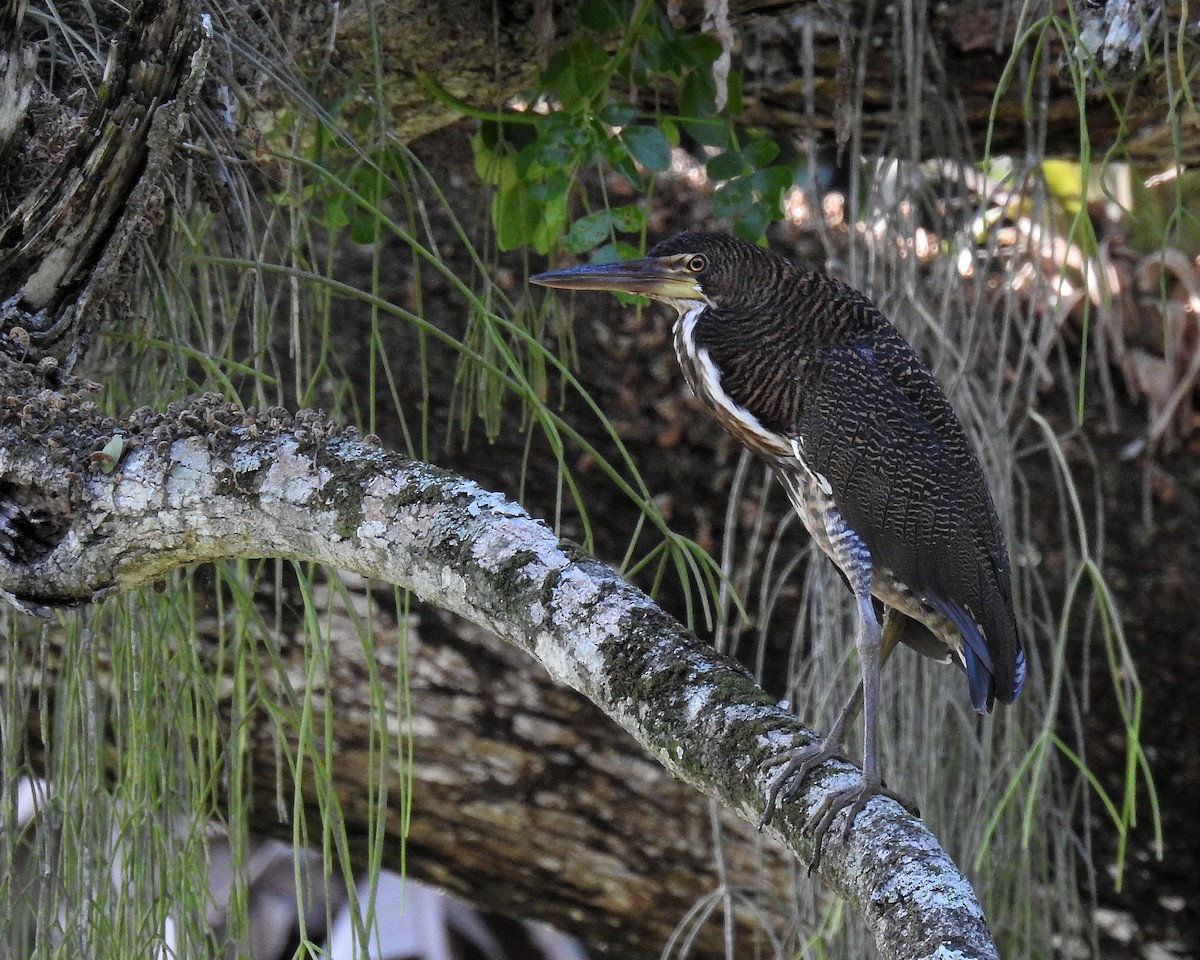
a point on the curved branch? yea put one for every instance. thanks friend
(208, 481)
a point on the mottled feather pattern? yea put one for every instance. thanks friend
(870, 419)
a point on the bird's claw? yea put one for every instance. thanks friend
(798, 763)
(855, 797)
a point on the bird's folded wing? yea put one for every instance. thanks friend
(878, 428)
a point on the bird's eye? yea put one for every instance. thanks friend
(698, 264)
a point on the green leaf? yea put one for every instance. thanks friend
(618, 157)
(648, 147)
(752, 224)
(696, 96)
(544, 156)
(509, 137)
(333, 213)
(552, 221)
(628, 219)
(732, 197)
(760, 152)
(714, 133)
(558, 184)
(617, 250)
(725, 166)
(619, 114)
(488, 138)
(588, 231)
(364, 227)
(596, 227)
(733, 104)
(656, 56)
(772, 180)
(572, 75)
(607, 254)
(599, 15)
(495, 164)
(516, 216)
(697, 49)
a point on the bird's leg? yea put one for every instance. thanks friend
(801, 761)
(871, 655)
(893, 627)
(874, 646)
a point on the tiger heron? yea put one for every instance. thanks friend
(810, 375)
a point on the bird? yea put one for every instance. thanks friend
(810, 375)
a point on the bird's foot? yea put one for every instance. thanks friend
(797, 763)
(854, 797)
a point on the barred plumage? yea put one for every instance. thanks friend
(809, 374)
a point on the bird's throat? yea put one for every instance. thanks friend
(705, 377)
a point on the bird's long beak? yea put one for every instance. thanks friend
(663, 278)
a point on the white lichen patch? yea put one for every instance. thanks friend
(910, 887)
(377, 495)
(378, 512)
(587, 614)
(137, 490)
(192, 472)
(698, 698)
(293, 477)
(499, 542)
(482, 501)
(248, 459)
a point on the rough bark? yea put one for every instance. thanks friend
(65, 246)
(207, 481)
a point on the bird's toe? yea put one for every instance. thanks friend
(855, 798)
(797, 763)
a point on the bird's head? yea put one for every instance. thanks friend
(688, 270)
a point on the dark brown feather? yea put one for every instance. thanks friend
(814, 360)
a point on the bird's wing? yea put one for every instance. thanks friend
(878, 428)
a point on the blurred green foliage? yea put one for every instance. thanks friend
(581, 115)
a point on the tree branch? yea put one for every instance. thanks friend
(208, 481)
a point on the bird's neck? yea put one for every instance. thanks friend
(762, 359)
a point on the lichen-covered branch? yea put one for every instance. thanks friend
(89, 505)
